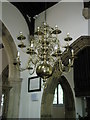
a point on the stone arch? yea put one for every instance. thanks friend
(47, 99)
(10, 49)
(48, 94)
(69, 98)
(14, 81)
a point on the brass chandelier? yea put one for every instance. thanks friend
(44, 50)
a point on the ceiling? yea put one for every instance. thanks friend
(87, 4)
(32, 9)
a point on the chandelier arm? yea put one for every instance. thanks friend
(71, 62)
(52, 61)
(52, 58)
(59, 46)
(22, 49)
(18, 66)
(32, 72)
(60, 64)
(69, 69)
(29, 59)
(18, 62)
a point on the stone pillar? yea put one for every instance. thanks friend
(5, 91)
(14, 98)
(47, 106)
(48, 95)
(69, 106)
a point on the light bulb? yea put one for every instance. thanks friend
(56, 47)
(69, 61)
(20, 33)
(56, 27)
(68, 34)
(18, 54)
(38, 28)
(72, 51)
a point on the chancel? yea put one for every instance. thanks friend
(45, 54)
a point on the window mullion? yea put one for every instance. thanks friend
(57, 94)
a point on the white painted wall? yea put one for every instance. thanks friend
(68, 16)
(0, 9)
(15, 22)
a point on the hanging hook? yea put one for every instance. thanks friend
(45, 9)
(29, 18)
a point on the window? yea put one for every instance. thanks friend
(2, 103)
(58, 96)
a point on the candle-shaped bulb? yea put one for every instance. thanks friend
(62, 65)
(32, 44)
(56, 27)
(38, 28)
(56, 47)
(72, 51)
(44, 23)
(18, 57)
(68, 34)
(20, 33)
(69, 61)
(18, 54)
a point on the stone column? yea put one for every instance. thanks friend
(47, 106)
(48, 95)
(14, 98)
(5, 91)
(69, 106)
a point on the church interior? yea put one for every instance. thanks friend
(45, 59)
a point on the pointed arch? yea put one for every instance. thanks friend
(47, 99)
(14, 74)
(48, 94)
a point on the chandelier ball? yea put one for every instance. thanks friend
(44, 70)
